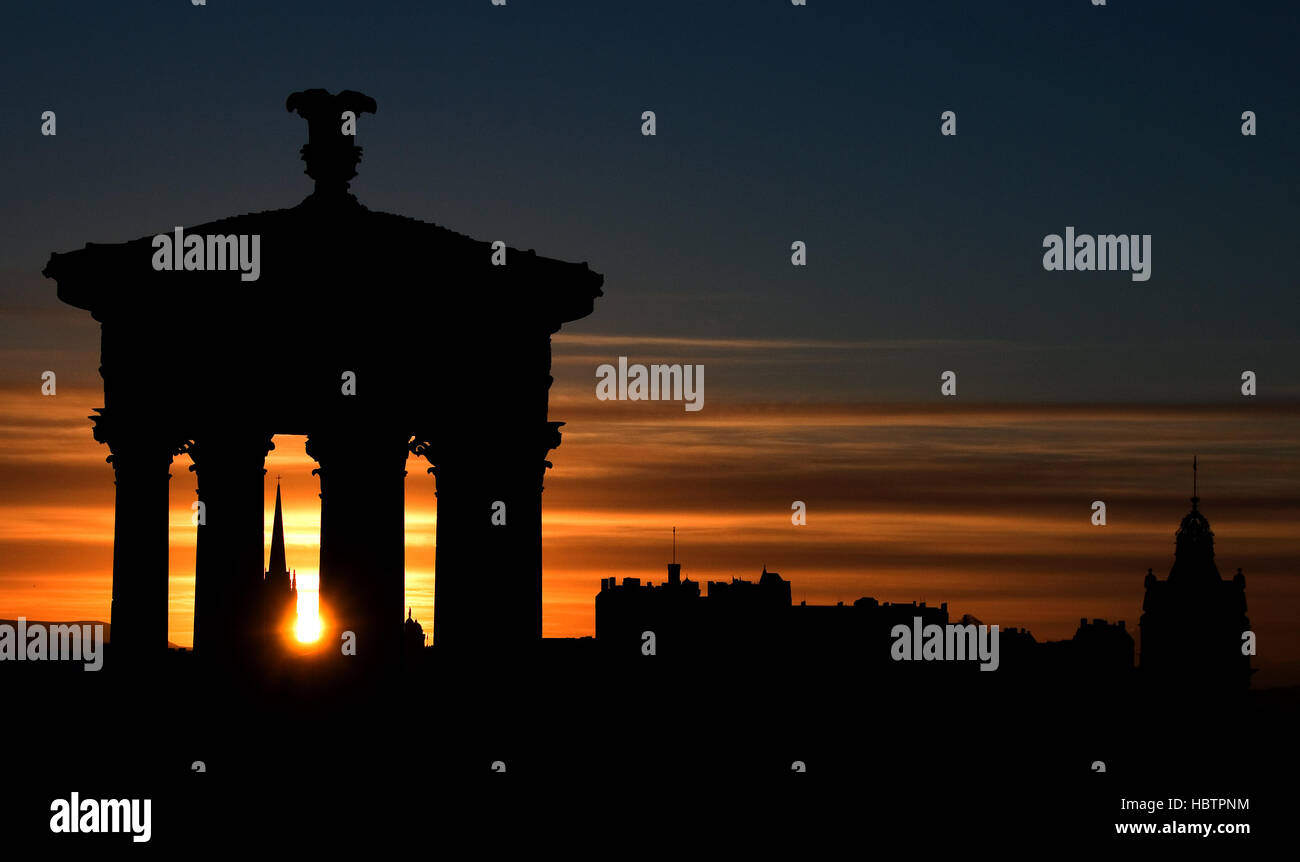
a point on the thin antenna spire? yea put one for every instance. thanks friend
(674, 544)
(1193, 476)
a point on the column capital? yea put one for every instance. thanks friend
(504, 444)
(246, 442)
(130, 436)
(358, 449)
(221, 447)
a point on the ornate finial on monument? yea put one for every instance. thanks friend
(330, 153)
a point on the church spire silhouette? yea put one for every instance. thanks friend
(279, 594)
(277, 569)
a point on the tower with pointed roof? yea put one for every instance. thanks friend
(279, 584)
(1193, 622)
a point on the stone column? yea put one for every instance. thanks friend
(362, 538)
(228, 595)
(141, 461)
(488, 598)
(489, 468)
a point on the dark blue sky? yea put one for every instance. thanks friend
(775, 123)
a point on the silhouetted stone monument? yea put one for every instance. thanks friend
(448, 357)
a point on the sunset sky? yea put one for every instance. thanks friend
(776, 124)
(986, 507)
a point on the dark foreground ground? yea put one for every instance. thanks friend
(570, 750)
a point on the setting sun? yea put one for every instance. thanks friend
(308, 628)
